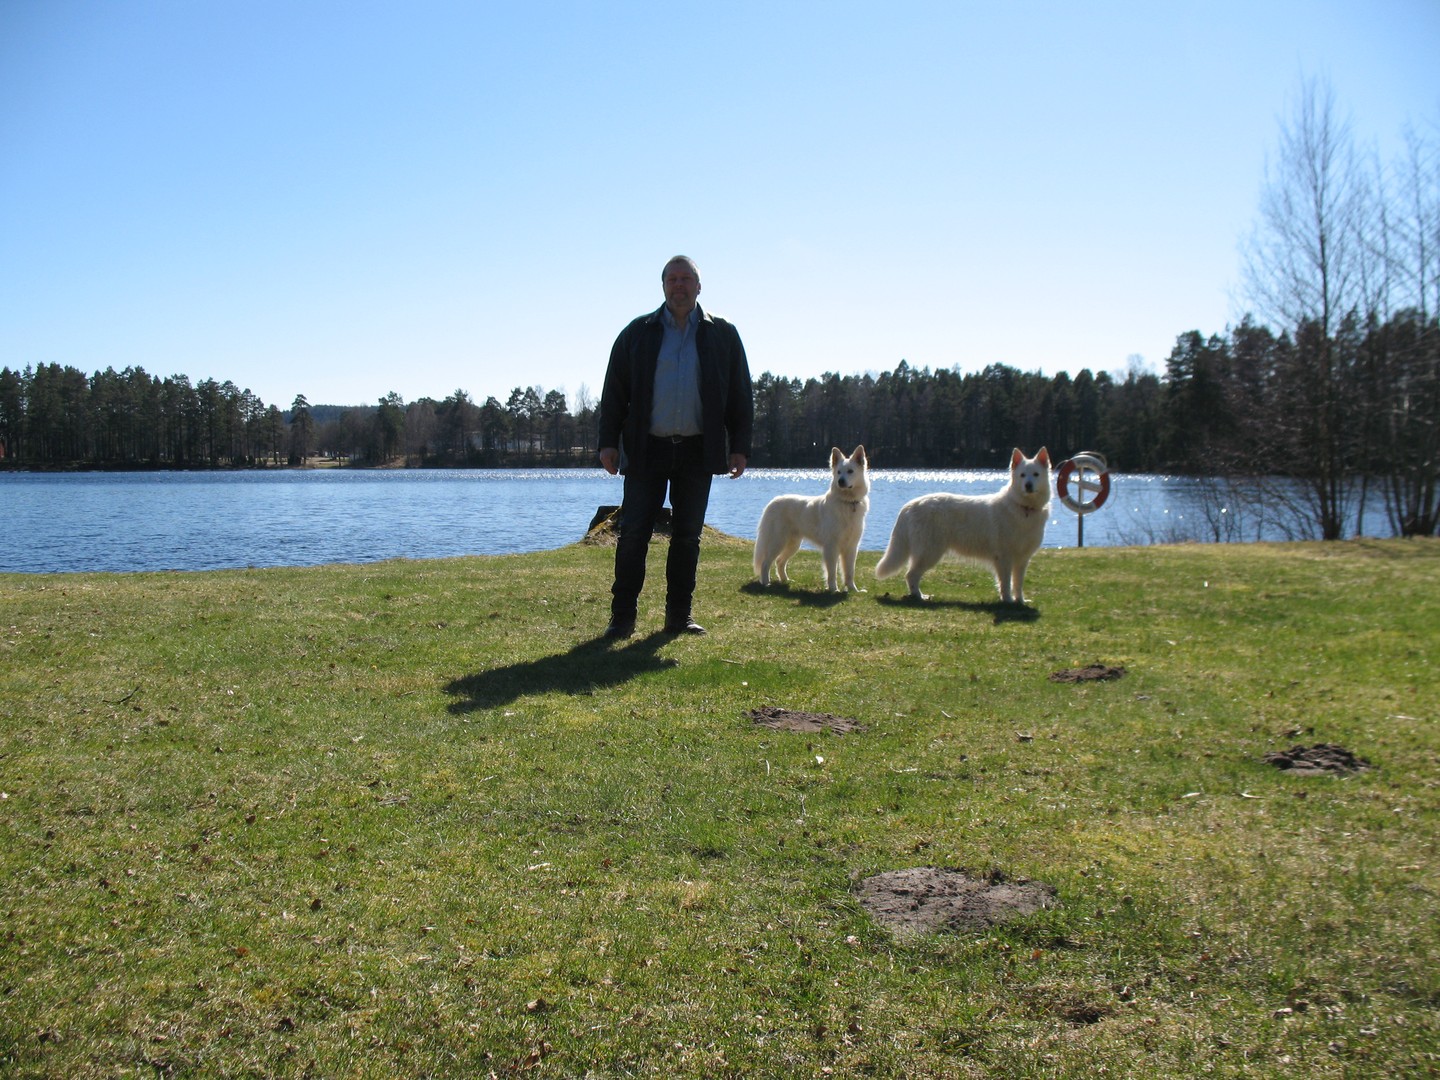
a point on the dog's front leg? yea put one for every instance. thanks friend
(1002, 578)
(830, 558)
(1018, 591)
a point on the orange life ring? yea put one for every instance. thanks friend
(1062, 483)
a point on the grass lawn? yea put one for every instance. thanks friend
(413, 819)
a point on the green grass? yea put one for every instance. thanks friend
(412, 819)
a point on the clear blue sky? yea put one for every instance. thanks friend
(344, 199)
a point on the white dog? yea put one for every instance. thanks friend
(1003, 530)
(833, 522)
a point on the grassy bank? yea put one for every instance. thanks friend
(412, 819)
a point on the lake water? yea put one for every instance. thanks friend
(206, 521)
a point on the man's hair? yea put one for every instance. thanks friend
(680, 259)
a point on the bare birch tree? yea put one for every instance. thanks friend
(1409, 423)
(1306, 271)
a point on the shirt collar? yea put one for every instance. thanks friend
(669, 319)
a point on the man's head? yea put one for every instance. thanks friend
(681, 281)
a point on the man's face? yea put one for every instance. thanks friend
(682, 288)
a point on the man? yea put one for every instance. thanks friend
(676, 409)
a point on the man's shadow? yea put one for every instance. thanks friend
(589, 666)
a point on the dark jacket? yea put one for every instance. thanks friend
(727, 404)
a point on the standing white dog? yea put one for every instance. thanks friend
(833, 522)
(1003, 530)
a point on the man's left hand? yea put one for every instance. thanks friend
(737, 465)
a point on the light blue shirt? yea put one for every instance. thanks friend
(676, 408)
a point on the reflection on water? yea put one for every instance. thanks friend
(202, 521)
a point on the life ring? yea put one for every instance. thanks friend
(1081, 463)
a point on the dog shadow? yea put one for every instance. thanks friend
(999, 610)
(590, 666)
(818, 598)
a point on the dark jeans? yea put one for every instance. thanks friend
(680, 467)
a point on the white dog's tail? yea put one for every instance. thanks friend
(897, 552)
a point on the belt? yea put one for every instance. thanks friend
(675, 440)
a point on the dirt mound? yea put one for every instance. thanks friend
(931, 899)
(604, 529)
(772, 716)
(1093, 673)
(1322, 759)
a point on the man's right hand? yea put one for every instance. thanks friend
(610, 459)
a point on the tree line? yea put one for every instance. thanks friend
(1360, 406)
(57, 417)
(1333, 382)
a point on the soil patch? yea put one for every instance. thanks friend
(1322, 759)
(772, 716)
(932, 899)
(1093, 673)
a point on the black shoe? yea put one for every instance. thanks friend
(620, 628)
(683, 624)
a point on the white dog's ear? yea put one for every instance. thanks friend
(1043, 455)
(859, 452)
(835, 456)
(1016, 457)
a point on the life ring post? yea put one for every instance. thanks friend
(1091, 474)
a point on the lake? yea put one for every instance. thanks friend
(207, 521)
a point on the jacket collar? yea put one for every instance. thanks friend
(656, 316)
